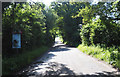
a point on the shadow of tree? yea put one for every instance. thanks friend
(58, 69)
(54, 69)
(57, 46)
(100, 74)
(51, 69)
(60, 50)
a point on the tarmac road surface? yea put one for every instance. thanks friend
(63, 60)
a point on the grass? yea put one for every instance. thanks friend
(15, 64)
(109, 55)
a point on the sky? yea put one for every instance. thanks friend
(47, 2)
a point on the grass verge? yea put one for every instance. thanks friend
(15, 64)
(109, 55)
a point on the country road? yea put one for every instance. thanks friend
(63, 60)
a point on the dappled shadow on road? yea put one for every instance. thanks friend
(57, 46)
(50, 69)
(100, 74)
(58, 69)
(46, 68)
(108, 74)
(52, 53)
(97, 74)
(58, 42)
(60, 49)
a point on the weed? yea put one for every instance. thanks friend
(14, 64)
(108, 54)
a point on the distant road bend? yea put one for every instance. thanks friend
(64, 60)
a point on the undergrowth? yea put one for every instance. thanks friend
(14, 64)
(110, 54)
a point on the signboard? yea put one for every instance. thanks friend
(16, 41)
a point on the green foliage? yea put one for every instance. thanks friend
(86, 11)
(37, 26)
(68, 26)
(98, 32)
(110, 54)
(51, 25)
(99, 23)
(85, 34)
(38, 29)
(16, 63)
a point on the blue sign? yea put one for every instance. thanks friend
(16, 41)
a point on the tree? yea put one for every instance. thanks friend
(100, 26)
(68, 25)
(31, 20)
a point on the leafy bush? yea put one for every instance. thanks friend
(98, 32)
(37, 32)
(31, 19)
(110, 54)
(85, 34)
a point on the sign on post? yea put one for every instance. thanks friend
(16, 41)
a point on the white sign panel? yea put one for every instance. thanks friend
(16, 41)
